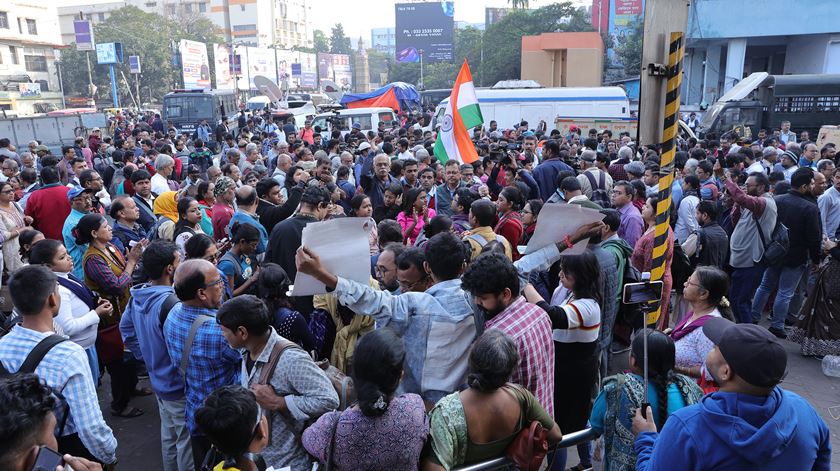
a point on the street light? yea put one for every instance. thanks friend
(421, 69)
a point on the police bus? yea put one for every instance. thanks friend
(185, 109)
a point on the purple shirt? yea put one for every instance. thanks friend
(632, 226)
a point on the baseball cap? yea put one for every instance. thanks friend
(751, 351)
(357, 126)
(42, 148)
(95, 130)
(76, 191)
(364, 146)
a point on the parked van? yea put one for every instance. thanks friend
(257, 103)
(368, 119)
(509, 107)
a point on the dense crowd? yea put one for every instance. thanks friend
(149, 252)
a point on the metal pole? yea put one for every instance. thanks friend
(671, 124)
(421, 70)
(137, 86)
(90, 74)
(114, 96)
(60, 84)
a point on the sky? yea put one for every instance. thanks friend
(362, 15)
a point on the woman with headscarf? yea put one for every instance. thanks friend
(166, 210)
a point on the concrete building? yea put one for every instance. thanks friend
(28, 75)
(285, 23)
(383, 40)
(563, 59)
(778, 37)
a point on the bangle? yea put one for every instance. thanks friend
(568, 242)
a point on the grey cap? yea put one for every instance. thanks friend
(588, 155)
(635, 167)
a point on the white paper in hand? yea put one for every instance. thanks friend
(342, 245)
(559, 220)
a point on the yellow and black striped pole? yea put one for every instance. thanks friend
(666, 166)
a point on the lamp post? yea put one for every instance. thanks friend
(421, 69)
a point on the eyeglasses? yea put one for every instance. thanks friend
(218, 282)
(381, 271)
(212, 258)
(406, 286)
(690, 283)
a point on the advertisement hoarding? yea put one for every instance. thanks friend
(426, 27)
(134, 64)
(623, 17)
(221, 66)
(195, 65)
(308, 70)
(335, 67)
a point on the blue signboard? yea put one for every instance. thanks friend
(134, 64)
(83, 35)
(109, 53)
(295, 70)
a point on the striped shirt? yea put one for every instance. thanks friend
(530, 328)
(65, 369)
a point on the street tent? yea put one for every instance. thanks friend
(397, 96)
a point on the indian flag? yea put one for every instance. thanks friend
(462, 113)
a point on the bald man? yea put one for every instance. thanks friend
(246, 213)
(209, 362)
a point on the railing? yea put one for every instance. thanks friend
(569, 440)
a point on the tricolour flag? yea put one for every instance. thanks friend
(462, 113)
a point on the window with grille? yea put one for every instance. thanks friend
(795, 104)
(35, 63)
(4, 20)
(31, 27)
(828, 104)
(13, 52)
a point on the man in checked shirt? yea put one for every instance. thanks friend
(64, 368)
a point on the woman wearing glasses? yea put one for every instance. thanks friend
(12, 223)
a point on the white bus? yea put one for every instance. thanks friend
(509, 107)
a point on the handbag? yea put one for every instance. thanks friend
(329, 464)
(109, 344)
(528, 449)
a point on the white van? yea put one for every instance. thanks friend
(257, 103)
(508, 107)
(368, 119)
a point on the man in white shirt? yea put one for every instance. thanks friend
(787, 135)
(829, 204)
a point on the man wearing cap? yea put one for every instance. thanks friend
(635, 170)
(750, 423)
(788, 163)
(80, 202)
(593, 178)
(95, 139)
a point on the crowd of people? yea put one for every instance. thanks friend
(150, 252)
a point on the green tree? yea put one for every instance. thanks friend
(320, 41)
(147, 35)
(502, 41)
(339, 42)
(523, 4)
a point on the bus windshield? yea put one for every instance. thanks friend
(188, 107)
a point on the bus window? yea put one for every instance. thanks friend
(386, 118)
(363, 121)
(320, 122)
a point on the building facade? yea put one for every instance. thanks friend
(282, 23)
(29, 37)
(563, 59)
(780, 37)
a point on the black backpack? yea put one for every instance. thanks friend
(31, 362)
(599, 190)
(777, 248)
(681, 267)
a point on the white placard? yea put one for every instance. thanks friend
(342, 245)
(558, 220)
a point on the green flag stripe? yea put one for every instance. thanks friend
(471, 115)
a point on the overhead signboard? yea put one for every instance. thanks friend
(336, 68)
(83, 32)
(109, 53)
(195, 65)
(424, 29)
(134, 64)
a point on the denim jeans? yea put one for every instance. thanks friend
(786, 279)
(174, 436)
(744, 281)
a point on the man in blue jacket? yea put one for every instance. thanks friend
(751, 423)
(142, 332)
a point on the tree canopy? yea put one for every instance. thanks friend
(142, 34)
(339, 42)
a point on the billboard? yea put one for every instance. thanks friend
(622, 18)
(335, 67)
(134, 64)
(221, 65)
(195, 66)
(426, 27)
(308, 77)
(494, 15)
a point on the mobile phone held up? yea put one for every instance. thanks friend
(47, 460)
(644, 292)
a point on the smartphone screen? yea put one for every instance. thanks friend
(643, 292)
(47, 460)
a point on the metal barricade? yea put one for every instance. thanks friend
(569, 440)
